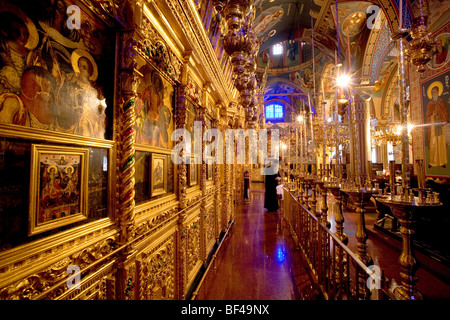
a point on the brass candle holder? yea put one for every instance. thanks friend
(306, 187)
(379, 208)
(406, 212)
(359, 196)
(321, 183)
(334, 187)
(301, 183)
(311, 184)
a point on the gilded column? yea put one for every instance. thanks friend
(203, 213)
(217, 201)
(128, 81)
(362, 125)
(126, 140)
(181, 119)
(227, 182)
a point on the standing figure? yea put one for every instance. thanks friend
(270, 199)
(437, 116)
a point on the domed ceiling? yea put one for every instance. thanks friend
(295, 71)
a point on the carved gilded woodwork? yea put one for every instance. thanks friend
(210, 228)
(154, 49)
(48, 283)
(156, 221)
(156, 272)
(159, 244)
(188, 19)
(192, 248)
(181, 120)
(126, 136)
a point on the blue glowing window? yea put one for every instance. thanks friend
(275, 111)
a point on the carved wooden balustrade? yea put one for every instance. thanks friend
(340, 274)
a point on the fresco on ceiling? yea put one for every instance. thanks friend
(295, 55)
(436, 109)
(292, 56)
(304, 77)
(267, 19)
(384, 50)
(354, 33)
(329, 78)
(437, 9)
(387, 68)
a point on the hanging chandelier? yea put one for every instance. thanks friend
(423, 45)
(242, 45)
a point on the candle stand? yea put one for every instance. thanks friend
(359, 197)
(406, 208)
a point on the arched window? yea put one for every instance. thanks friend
(275, 112)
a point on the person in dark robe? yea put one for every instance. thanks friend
(246, 185)
(270, 198)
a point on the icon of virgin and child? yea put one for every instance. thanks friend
(48, 77)
(153, 116)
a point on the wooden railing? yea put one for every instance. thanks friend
(340, 274)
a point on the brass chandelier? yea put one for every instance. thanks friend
(242, 45)
(422, 46)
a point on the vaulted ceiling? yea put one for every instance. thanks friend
(341, 31)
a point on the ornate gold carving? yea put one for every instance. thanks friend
(185, 12)
(156, 272)
(35, 285)
(153, 48)
(126, 138)
(157, 222)
(108, 10)
(192, 245)
(210, 231)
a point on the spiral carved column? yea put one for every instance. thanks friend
(181, 119)
(126, 139)
(227, 181)
(125, 156)
(216, 175)
(203, 215)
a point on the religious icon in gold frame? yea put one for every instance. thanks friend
(192, 171)
(158, 174)
(58, 187)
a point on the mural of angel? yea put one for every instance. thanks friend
(267, 20)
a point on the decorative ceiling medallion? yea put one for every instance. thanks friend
(354, 24)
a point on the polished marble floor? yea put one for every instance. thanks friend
(256, 261)
(259, 261)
